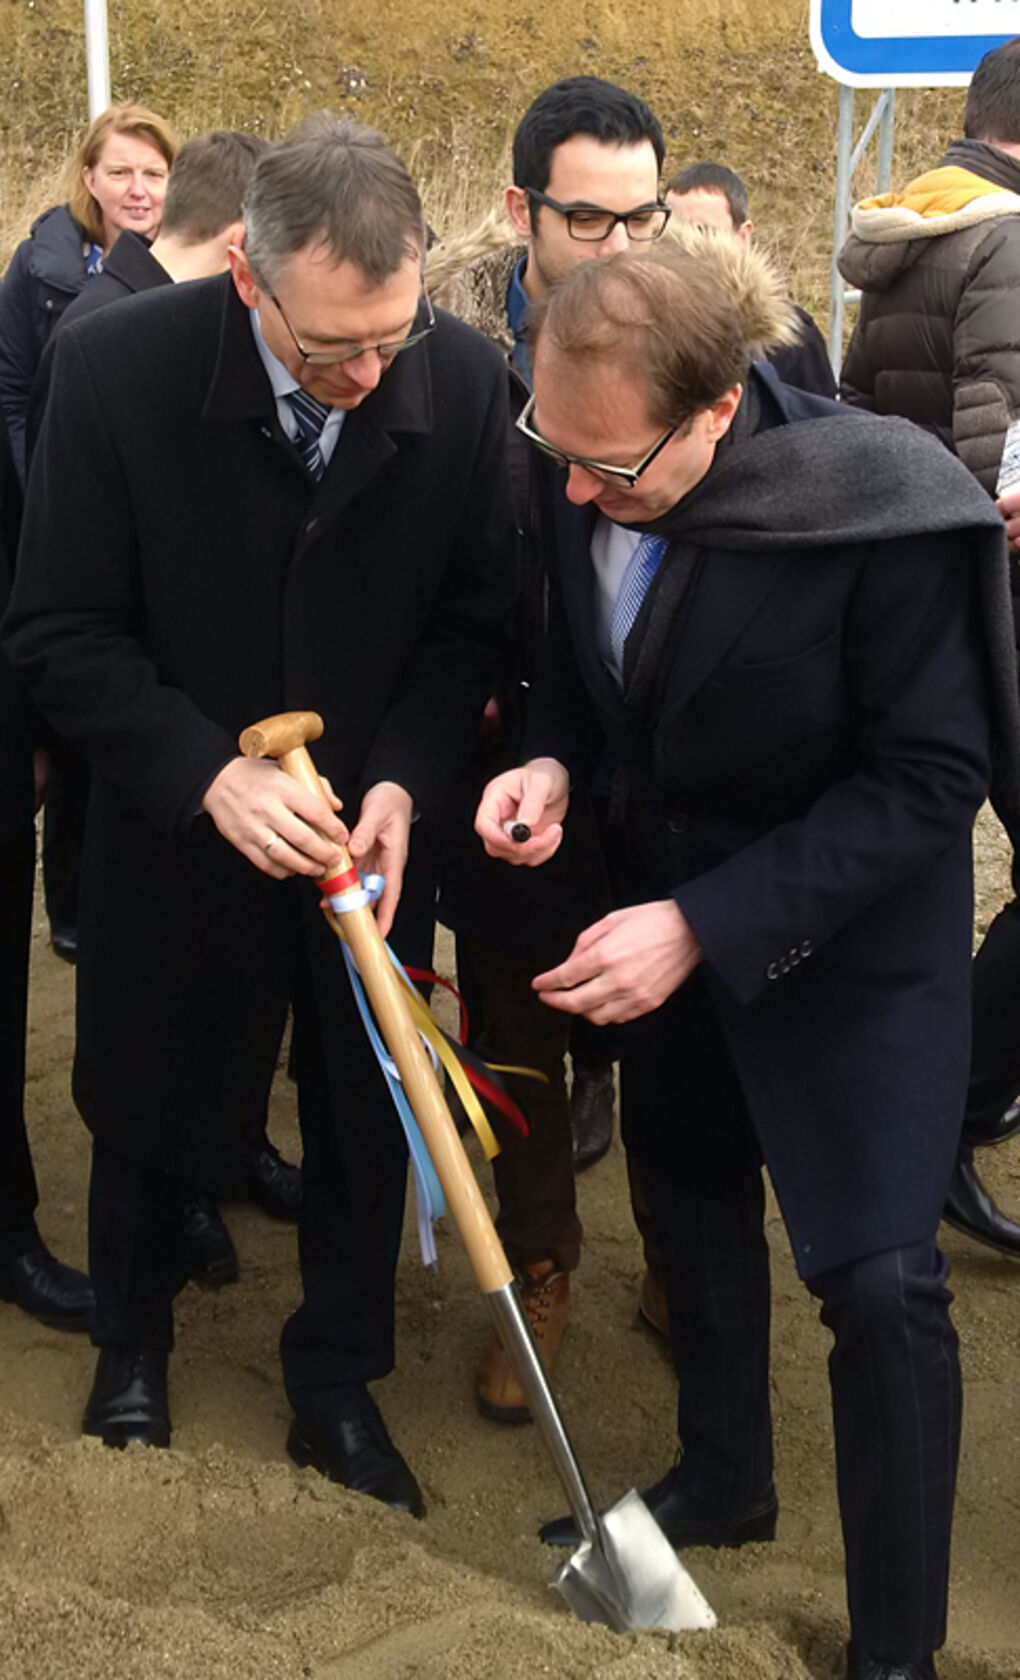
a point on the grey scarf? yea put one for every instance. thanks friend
(851, 477)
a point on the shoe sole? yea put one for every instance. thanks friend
(660, 1329)
(502, 1414)
(756, 1529)
(77, 1326)
(123, 1435)
(305, 1456)
(583, 1162)
(983, 1242)
(753, 1531)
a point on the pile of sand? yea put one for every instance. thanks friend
(220, 1561)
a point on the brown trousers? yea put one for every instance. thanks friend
(534, 1176)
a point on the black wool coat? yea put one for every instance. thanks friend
(129, 268)
(803, 777)
(47, 270)
(180, 577)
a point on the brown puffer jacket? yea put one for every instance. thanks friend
(938, 336)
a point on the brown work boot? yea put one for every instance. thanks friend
(652, 1304)
(545, 1296)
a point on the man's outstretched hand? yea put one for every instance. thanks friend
(624, 966)
(533, 797)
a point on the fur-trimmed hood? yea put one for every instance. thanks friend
(469, 276)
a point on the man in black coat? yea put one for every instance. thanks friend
(314, 515)
(771, 613)
(30, 1276)
(201, 220)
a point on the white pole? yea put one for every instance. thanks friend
(97, 56)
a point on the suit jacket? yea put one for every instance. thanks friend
(182, 576)
(803, 781)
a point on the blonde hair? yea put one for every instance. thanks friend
(118, 119)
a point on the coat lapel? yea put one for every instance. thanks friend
(732, 587)
(400, 404)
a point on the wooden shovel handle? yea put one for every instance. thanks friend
(386, 995)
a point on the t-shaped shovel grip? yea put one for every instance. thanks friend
(283, 737)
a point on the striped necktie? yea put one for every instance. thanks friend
(641, 568)
(311, 415)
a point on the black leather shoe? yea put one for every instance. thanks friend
(859, 1666)
(1003, 1127)
(65, 943)
(684, 1524)
(275, 1184)
(592, 1097)
(969, 1208)
(57, 1295)
(128, 1400)
(209, 1254)
(356, 1451)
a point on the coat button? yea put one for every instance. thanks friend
(807, 948)
(772, 972)
(679, 823)
(793, 957)
(784, 966)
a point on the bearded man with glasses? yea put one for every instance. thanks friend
(282, 488)
(781, 616)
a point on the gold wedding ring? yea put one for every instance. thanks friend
(275, 841)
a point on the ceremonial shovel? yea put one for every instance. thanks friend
(625, 1572)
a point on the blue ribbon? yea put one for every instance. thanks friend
(428, 1192)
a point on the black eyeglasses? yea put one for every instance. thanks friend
(591, 224)
(600, 469)
(386, 352)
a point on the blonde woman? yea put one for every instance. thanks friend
(116, 179)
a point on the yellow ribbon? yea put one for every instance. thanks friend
(432, 1032)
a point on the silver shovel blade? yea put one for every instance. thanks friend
(631, 1577)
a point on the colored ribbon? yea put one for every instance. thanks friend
(430, 1202)
(353, 891)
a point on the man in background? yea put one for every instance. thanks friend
(711, 195)
(586, 161)
(938, 341)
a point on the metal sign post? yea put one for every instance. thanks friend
(889, 44)
(97, 56)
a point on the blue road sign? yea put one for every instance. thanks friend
(904, 43)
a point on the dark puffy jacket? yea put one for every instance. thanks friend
(47, 270)
(938, 336)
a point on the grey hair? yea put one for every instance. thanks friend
(335, 184)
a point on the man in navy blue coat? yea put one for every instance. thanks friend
(775, 615)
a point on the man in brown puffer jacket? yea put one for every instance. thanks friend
(938, 341)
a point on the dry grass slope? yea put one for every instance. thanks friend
(446, 82)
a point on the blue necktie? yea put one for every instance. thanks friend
(641, 568)
(311, 415)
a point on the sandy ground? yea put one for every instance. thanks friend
(218, 1559)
